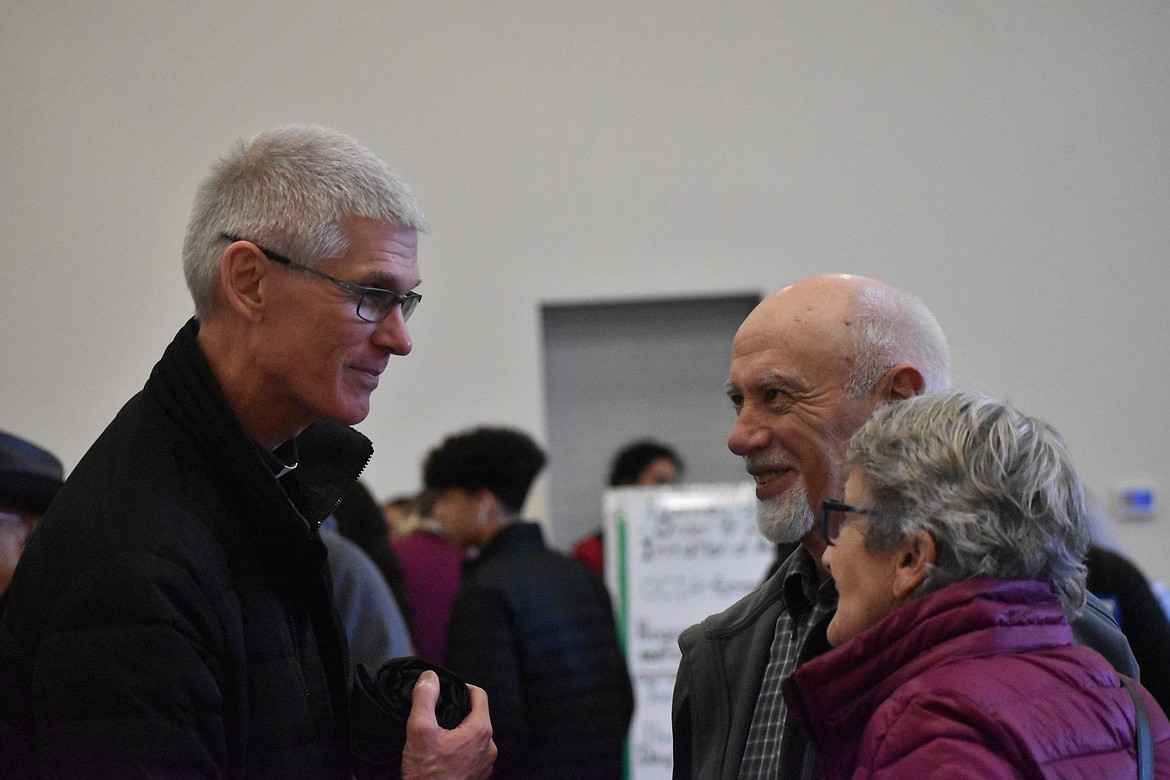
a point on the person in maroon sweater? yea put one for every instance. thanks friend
(958, 554)
(431, 567)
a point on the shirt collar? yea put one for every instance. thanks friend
(283, 459)
(802, 587)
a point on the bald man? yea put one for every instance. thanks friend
(808, 367)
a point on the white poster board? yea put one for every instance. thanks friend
(674, 555)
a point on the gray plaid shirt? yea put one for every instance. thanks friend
(770, 737)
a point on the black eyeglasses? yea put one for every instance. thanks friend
(833, 517)
(373, 303)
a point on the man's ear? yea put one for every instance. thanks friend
(914, 557)
(241, 270)
(902, 382)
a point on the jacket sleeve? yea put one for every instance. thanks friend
(373, 623)
(482, 649)
(680, 720)
(1160, 734)
(1113, 576)
(125, 680)
(924, 743)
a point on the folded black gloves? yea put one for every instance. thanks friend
(380, 707)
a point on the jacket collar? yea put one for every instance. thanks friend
(287, 511)
(802, 586)
(837, 692)
(517, 536)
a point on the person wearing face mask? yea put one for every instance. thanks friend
(958, 553)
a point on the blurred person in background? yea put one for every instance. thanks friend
(29, 478)
(359, 519)
(1116, 580)
(373, 623)
(396, 511)
(533, 627)
(644, 463)
(431, 566)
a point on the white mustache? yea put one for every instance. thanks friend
(767, 462)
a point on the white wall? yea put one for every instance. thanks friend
(1009, 162)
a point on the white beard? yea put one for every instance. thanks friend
(787, 518)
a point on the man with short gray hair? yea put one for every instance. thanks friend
(172, 616)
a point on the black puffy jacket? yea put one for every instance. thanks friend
(535, 629)
(172, 616)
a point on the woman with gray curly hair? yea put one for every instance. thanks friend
(957, 552)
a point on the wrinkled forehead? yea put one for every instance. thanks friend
(808, 338)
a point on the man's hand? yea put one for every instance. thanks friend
(466, 752)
